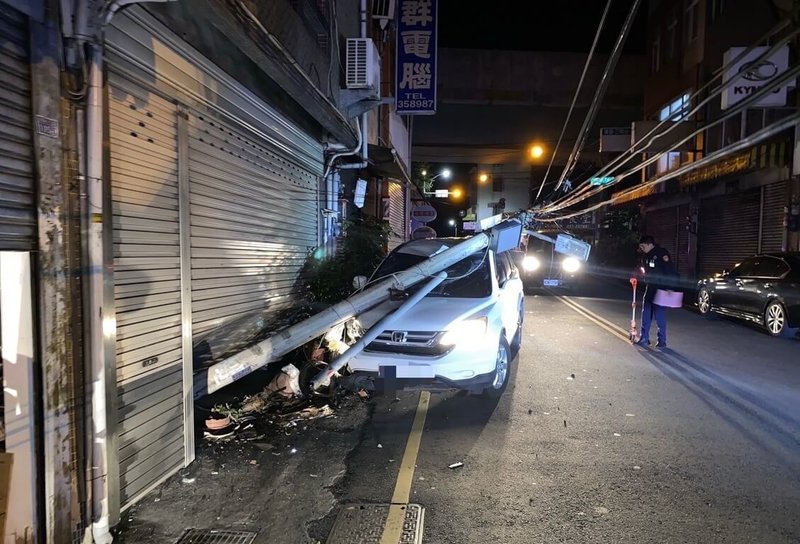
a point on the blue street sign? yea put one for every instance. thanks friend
(415, 69)
(605, 180)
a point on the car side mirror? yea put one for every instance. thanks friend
(359, 282)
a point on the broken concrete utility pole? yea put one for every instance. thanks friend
(502, 237)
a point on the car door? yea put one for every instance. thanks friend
(726, 288)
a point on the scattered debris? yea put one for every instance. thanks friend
(571, 377)
(362, 393)
(530, 411)
(188, 479)
(286, 382)
(380, 446)
(617, 434)
(456, 465)
(565, 423)
(314, 475)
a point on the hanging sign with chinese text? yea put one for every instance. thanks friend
(415, 77)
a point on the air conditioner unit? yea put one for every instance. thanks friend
(383, 11)
(363, 70)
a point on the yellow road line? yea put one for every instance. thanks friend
(601, 322)
(393, 529)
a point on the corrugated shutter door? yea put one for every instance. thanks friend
(727, 230)
(772, 229)
(397, 221)
(662, 225)
(17, 193)
(254, 220)
(147, 294)
(254, 178)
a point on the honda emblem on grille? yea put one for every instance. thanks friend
(399, 337)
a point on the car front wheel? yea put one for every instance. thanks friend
(502, 370)
(704, 301)
(775, 318)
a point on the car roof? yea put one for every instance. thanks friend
(427, 247)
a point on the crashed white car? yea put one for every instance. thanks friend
(462, 335)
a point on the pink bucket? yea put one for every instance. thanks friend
(670, 299)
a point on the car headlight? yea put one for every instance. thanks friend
(469, 332)
(571, 264)
(531, 263)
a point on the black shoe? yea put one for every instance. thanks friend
(661, 344)
(642, 342)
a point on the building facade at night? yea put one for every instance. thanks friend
(746, 202)
(166, 169)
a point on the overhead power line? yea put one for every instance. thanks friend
(761, 135)
(599, 95)
(631, 154)
(575, 97)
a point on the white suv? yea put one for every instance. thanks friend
(462, 335)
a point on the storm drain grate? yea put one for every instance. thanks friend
(214, 536)
(363, 524)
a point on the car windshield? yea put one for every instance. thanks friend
(471, 276)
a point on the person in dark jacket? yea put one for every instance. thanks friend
(658, 272)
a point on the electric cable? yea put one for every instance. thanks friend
(599, 94)
(763, 134)
(574, 98)
(624, 158)
(736, 110)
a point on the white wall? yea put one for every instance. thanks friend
(18, 368)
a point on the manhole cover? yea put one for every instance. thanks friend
(216, 536)
(363, 524)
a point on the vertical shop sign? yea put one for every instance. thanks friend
(415, 77)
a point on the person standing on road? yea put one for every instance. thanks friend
(657, 271)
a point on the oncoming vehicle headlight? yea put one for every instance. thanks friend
(571, 264)
(531, 263)
(469, 332)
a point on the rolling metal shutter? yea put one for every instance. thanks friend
(17, 192)
(772, 229)
(147, 286)
(663, 226)
(397, 214)
(727, 230)
(216, 208)
(254, 220)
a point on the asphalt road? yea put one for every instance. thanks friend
(601, 441)
(596, 441)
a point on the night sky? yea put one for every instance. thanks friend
(536, 25)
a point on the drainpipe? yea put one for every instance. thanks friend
(98, 322)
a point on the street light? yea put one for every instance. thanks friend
(537, 151)
(444, 173)
(453, 224)
(483, 178)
